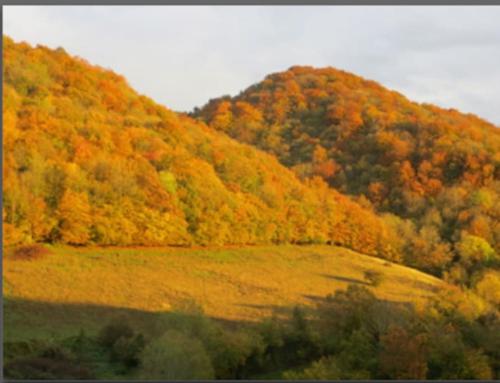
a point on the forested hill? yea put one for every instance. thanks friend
(437, 171)
(88, 160)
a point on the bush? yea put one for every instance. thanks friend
(112, 332)
(236, 354)
(12, 350)
(324, 369)
(50, 362)
(233, 354)
(175, 356)
(127, 350)
(85, 348)
(301, 343)
(30, 252)
(373, 277)
(122, 343)
(45, 368)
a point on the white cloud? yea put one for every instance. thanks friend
(182, 56)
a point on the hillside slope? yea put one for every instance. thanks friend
(438, 170)
(83, 287)
(88, 160)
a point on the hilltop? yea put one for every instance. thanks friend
(434, 173)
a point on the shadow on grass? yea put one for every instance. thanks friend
(345, 279)
(27, 319)
(275, 310)
(390, 304)
(419, 284)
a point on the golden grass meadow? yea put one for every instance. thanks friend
(234, 284)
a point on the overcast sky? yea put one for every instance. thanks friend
(183, 56)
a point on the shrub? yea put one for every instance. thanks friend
(127, 350)
(345, 312)
(123, 344)
(324, 369)
(56, 352)
(236, 354)
(45, 368)
(30, 252)
(13, 349)
(110, 333)
(175, 356)
(84, 347)
(300, 340)
(50, 362)
(373, 277)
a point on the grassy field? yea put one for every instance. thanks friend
(74, 288)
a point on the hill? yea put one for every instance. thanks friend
(436, 171)
(88, 160)
(157, 207)
(73, 288)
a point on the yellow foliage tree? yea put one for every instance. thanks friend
(74, 218)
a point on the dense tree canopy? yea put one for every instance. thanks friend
(88, 160)
(437, 170)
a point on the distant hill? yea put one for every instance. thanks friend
(88, 160)
(436, 171)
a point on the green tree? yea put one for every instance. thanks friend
(324, 369)
(175, 356)
(474, 250)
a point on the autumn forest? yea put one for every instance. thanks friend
(315, 226)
